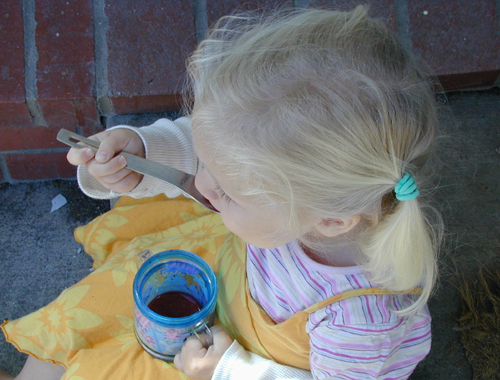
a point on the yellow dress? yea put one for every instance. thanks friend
(89, 328)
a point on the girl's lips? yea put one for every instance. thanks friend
(213, 206)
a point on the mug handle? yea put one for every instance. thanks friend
(204, 336)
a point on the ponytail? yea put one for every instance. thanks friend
(402, 250)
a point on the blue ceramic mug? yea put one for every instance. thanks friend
(175, 293)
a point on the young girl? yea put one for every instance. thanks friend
(307, 133)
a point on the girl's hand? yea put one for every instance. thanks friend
(199, 363)
(107, 167)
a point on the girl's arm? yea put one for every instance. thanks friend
(226, 359)
(167, 142)
(237, 361)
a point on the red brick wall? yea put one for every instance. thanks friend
(73, 63)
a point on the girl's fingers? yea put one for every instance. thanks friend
(109, 168)
(80, 156)
(115, 178)
(178, 362)
(193, 346)
(222, 340)
(106, 164)
(126, 184)
(191, 349)
(113, 142)
(113, 175)
(108, 149)
(198, 362)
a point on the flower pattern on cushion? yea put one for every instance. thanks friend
(90, 328)
(56, 327)
(121, 266)
(70, 371)
(127, 335)
(200, 232)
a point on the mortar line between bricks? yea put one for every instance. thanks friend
(18, 181)
(497, 8)
(35, 151)
(200, 19)
(30, 62)
(104, 105)
(403, 23)
(5, 169)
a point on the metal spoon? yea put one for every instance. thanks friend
(178, 178)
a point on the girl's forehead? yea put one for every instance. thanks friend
(203, 148)
(203, 141)
(212, 151)
(235, 179)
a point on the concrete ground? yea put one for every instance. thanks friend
(40, 257)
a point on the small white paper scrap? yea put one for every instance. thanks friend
(58, 202)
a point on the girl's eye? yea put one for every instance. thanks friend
(222, 195)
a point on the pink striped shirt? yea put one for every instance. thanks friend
(358, 338)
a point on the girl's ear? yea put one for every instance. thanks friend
(331, 227)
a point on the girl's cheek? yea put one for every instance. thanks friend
(204, 185)
(227, 219)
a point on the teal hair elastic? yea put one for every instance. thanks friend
(406, 189)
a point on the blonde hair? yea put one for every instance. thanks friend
(322, 113)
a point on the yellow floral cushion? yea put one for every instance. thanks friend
(89, 327)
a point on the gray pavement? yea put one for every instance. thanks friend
(39, 257)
